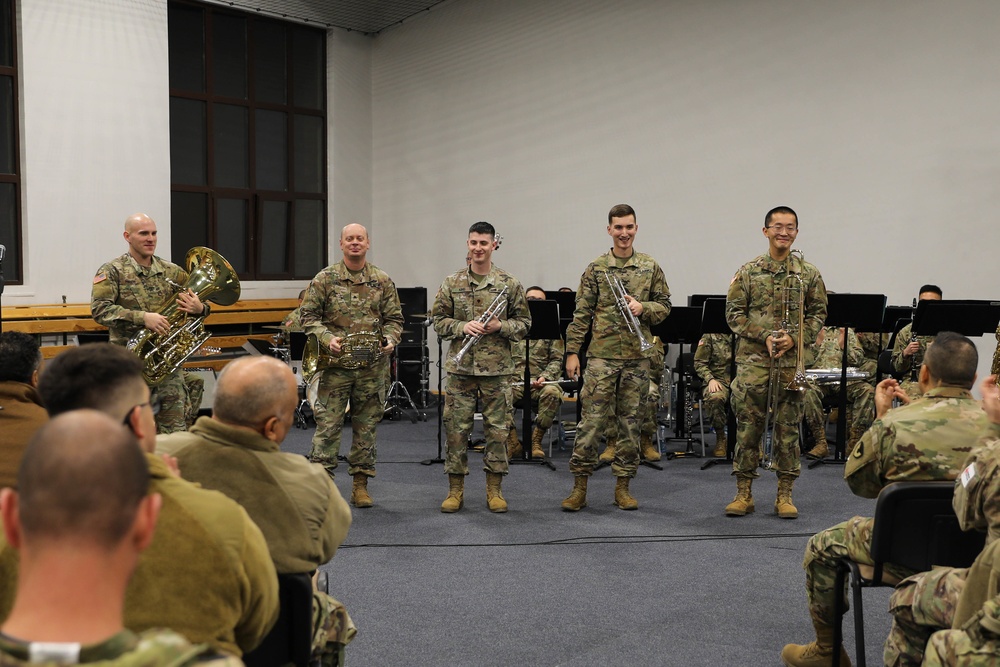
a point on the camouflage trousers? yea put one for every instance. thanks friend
(749, 401)
(194, 390)
(173, 404)
(860, 409)
(911, 387)
(549, 400)
(332, 630)
(962, 648)
(853, 539)
(715, 407)
(650, 407)
(364, 388)
(921, 605)
(614, 390)
(496, 405)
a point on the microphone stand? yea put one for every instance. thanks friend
(440, 408)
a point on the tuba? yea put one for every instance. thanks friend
(357, 350)
(213, 279)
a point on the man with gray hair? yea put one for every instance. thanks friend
(80, 519)
(294, 502)
(21, 411)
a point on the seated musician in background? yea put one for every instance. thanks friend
(924, 440)
(294, 503)
(545, 360)
(712, 361)
(293, 320)
(872, 344)
(84, 542)
(829, 352)
(909, 350)
(21, 411)
(208, 574)
(967, 599)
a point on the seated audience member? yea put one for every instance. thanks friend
(21, 411)
(79, 521)
(296, 504)
(924, 440)
(545, 360)
(207, 574)
(950, 597)
(713, 359)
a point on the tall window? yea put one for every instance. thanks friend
(248, 140)
(10, 163)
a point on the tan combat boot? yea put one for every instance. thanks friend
(513, 444)
(608, 455)
(359, 494)
(783, 504)
(647, 450)
(536, 443)
(821, 450)
(814, 654)
(623, 498)
(721, 445)
(494, 497)
(456, 485)
(577, 498)
(743, 502)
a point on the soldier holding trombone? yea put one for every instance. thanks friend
(621, 294)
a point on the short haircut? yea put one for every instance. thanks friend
(483, 228)
(534, 287)
(952, 359)
(781, 209)
(249, 405)
(931, 288)
(94, 376)
(302, 295)
(20, 357)
(81, 478)
(621, 211)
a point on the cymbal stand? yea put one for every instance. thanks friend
(397, 399)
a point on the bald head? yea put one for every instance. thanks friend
(353, 229)
(136, 220)
(82, 478)
(254, 390)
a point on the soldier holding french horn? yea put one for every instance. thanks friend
(353, 318)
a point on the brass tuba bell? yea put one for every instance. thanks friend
(213, 279)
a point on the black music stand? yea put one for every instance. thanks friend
(682, 326)
(440, 406)
(861, 312)
(967, 317)
(713, 320)
(544, 326)
(893, 319)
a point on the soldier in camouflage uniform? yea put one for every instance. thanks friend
(127, 293)
(927, 602)
(545, 360)
(616, 383)
(925, 440)
(860, 395)
(712, 359)
(194, 390)
(350, 297)
(647, 415)
(872, 345)
(908, 351)
(293, 320)
(485, 369)
(93, 531)
(762, 309)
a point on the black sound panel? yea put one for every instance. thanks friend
(414, 300)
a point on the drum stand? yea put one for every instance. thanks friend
(397, 399)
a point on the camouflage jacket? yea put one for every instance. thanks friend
(904, 364)
(978, 608)
(596, 311)
(293, 320)
(712, 358)
(545, 359)
(872, 344)
(123, 292)
(460, 300)
(152, 648)
(338, 303)
(995, 366)
(829, 354)
(977, 490)
(754, 307)
(927, 440)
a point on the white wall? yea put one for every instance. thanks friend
(875, 121)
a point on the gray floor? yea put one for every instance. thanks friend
(673, 583)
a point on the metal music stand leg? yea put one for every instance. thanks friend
(440, 408)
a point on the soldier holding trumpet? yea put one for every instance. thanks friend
(775, 304)
(483, 311)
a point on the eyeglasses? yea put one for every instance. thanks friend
(784, 229)
(154, 407)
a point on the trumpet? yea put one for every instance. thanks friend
(495, 308)
(800, 381)
(618, 289)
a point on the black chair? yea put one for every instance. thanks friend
(916, 528)
(290, 640)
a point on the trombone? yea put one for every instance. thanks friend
(800, 381)
(631, 322)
